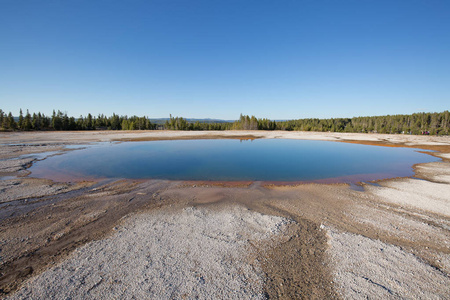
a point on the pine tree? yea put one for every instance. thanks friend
(2, 117)
(90, 124)
(27, 121)
(35, 122)
(20, 124)
(11, 122)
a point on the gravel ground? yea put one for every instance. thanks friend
(190, 253)
(14, 165)
(421, 194)
(16, 189)
(371, 269)
(437, 172)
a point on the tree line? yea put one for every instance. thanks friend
(179, 123)
(61, 121)
(418, 123)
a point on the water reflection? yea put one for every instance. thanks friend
(232, 160)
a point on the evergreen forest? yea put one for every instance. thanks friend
(418, 123)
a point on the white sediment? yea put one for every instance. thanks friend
(193, 252)
(371, 269)
(421, 194)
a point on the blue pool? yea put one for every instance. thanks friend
(232, 160)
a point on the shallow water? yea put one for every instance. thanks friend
(233, 160)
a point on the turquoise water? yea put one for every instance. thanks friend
(233, 160)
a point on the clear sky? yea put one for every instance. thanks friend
(285, 59)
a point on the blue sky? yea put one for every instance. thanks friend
(284, 59)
